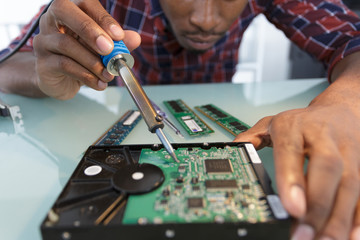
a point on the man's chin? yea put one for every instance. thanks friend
(198, 51)
(192, 49)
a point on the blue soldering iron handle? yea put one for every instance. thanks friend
(120, 51)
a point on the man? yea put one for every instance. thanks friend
(197, 40)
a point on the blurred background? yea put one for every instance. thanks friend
(265, 54)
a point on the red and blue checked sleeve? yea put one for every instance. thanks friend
(327, 29)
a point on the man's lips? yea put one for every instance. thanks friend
(197, 38)
(201, 42)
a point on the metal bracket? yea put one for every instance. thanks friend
(15, 114)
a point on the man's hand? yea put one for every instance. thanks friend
(323, 198)
(72, 35)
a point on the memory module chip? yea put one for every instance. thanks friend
(119, 130)
(224, 119)
(192, 123)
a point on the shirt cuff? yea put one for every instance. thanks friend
(350, 47)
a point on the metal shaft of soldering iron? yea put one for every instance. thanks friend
(143, 103)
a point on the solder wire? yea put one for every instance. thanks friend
(29, 33)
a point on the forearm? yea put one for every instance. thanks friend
(18, 75)
(347, 68)
(345, 84)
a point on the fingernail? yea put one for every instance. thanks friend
(303, 232)
(326, 238)
(102, 85)
(103, 44)
(116, 31)
(297, 197)
(107, 75)
(355, 235)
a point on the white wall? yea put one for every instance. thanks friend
(13, 13)
(263, 53)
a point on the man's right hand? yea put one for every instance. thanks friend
(72, 35)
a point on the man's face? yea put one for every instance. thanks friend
(199, 24)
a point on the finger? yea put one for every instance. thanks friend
(132, 39)
(258, 135)
(355, 232)
(289, 161)
(68, 14)
(61, 77)
(338, 226)
(63, 44)
(111, 26)
(323, 178)
(96, 11)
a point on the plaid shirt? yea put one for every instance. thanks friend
(327, 29)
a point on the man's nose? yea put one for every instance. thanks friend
(205, 15)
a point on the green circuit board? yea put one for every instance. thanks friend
(192, 123)
(224, 119)
(207, 185)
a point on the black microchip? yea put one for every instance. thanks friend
(196, 188)
(220, 184)
(195, 203)
(194, 180)
(179, 187)
(180, 179)
(166, 192)
(182, 168)
(241, 128)
(177, 108)
(113, 136)
(244, 204)
(235, 124)
(109, 141)
(238, 126)
(214, 166)
(215, 111)
(119, 131)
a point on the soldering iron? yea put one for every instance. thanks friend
(119, 63)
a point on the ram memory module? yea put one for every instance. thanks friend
(225, 120)
(119, 130)
(192, 123)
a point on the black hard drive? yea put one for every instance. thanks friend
(215, 191)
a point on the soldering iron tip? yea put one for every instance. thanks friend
(180, 135)
(174, 157)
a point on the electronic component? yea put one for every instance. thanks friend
(117, 132)
(195, 202)
(133, 192)
(222, 184)
(15, 114)
(217, 166)
(192, 123)
(225, 120)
